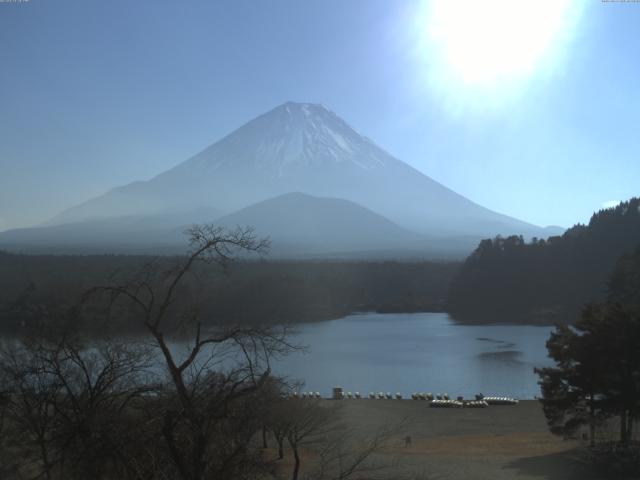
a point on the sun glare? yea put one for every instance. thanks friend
(488, 44)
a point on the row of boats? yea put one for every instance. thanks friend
(478, 403)
(440, 400)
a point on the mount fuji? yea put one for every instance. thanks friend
(296, 147)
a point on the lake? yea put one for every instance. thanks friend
(419, 352)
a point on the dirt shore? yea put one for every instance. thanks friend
(498, 442)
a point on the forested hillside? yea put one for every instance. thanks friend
(545, 281)
(250, 292)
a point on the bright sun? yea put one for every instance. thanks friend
(487, 43)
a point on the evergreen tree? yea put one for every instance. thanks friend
(597, 372)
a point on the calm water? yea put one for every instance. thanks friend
(425, 352)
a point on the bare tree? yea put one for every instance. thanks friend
(270, 399)
(336, 450)
(343, 455)
(69, 405)
(29, 416)
(278, 424)
(206, 424)
(91, 410)
(308, 422)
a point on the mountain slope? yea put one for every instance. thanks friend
(297, 224)
(302, 148)
(302, 223)
(110, 234)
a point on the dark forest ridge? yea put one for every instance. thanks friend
(252, 292)
(545, 280)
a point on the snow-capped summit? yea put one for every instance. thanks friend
(302, 147)
(290, 137)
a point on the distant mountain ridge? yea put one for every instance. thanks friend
(309, 149)
(298, 225)
(304, 148)
(301, 222)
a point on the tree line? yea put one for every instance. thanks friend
(257, 291)
(544, 280)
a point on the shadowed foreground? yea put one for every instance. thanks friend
(499, 442)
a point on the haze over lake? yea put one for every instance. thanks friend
(425, 352)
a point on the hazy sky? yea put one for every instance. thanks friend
(535, 114)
